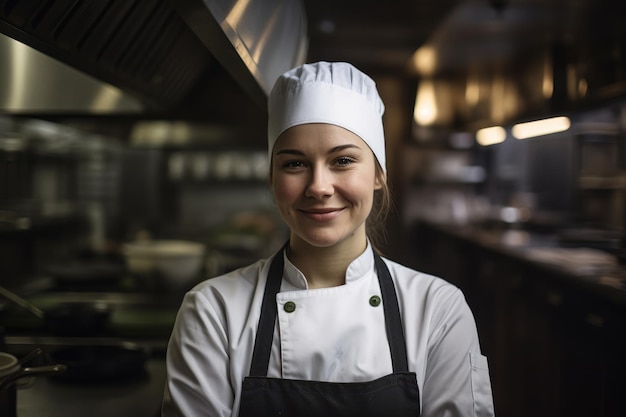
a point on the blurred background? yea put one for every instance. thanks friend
(133, 165)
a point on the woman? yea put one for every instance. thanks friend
(326, 327)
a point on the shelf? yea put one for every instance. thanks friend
(602, 183)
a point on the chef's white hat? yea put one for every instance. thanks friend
(328, 92)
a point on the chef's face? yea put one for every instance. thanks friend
(323, 179)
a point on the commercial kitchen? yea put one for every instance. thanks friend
(133, 165)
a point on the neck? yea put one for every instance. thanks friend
(324, 266)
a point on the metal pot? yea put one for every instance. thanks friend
(11, 371)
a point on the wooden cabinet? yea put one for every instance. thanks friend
(555, 346)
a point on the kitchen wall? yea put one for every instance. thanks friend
(572, 177)
(64, 192)
(58, 191)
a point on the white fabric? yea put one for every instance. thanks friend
(328, 92)
(334, 334)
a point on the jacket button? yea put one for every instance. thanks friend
(289, 307)
(374, 301)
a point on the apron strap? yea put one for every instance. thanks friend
(393, 320)
(265, 329)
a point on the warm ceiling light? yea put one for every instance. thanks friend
(425, 61)
(472, 92)
(490, 135)
(540, 127)
(547, 82)
(425, 111)
(498, 96)
(582, 87)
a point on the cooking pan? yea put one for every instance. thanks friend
(67, 319)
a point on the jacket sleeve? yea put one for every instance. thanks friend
(457, 382)
(198, 382)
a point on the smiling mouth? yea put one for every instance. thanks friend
(322, 215)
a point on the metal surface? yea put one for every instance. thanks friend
(26, 343)
(270, 36)
(22, 302)
(121, 399)
(256, 40)
(31, 81)
(163, 54)
(141, 47)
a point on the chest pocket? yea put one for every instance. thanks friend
(481, 386)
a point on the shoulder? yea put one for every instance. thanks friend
(241, 277)
(432, 303)
(230, 289)
(404, 275)
(423, 287)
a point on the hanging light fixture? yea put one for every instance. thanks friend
(490, 135)
(541, 127)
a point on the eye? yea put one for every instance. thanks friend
(293, 164)
(344, 161)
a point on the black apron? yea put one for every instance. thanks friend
(394, 395)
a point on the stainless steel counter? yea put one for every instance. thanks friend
(51, 398)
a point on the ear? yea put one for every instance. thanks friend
(380, 179)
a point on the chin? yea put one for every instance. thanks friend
(323, 240)
(318, 240)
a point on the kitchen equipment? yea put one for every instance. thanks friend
(11, 371)
(66, 319)
(176, 262)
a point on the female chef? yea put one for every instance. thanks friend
(326, 326)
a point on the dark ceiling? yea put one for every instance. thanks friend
(501, 46)
(484, 39)
(376, 36)
(383, 35)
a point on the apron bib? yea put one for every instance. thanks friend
(394, 395)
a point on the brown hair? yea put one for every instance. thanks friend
(382, 205)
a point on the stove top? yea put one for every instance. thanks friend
(143, 317)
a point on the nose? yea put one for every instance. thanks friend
(320, 183)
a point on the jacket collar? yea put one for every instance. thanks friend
(358, 268)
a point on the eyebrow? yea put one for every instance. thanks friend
(330, 151)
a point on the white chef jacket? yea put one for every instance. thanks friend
(333, 334)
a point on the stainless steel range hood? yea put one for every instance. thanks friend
(32, 82)
(151, 57)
